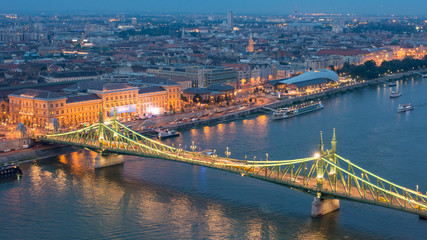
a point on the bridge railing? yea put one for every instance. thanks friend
(357, 182)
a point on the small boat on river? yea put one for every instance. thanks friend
(405, 107)
(167, 134)
(394, 94)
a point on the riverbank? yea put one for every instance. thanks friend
(291, 101)
(35, 153)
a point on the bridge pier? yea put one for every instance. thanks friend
(107, 160)
(322, 206)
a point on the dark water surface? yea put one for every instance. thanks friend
(65, 198)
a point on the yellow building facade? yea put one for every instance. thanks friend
(80, 105)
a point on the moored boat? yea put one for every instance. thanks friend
(167, 134)
(283, 113)
(392, 84)
(394, 94)
(9, 170)
(405, 107)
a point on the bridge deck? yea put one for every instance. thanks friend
(320, 176)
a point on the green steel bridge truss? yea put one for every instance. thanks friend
(326, 175)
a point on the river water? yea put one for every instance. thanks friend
(65, 198)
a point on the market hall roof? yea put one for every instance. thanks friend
(315, 74)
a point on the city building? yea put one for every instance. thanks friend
(36, 107)
(80, 103)
(230, 20)
(171, 98)
(250, 47)
(201, 76)
(289, 71)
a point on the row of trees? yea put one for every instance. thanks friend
(369, 70)
(198, 99)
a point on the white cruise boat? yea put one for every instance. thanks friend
(283, 113)
(405, 107)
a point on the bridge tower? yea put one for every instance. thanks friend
(319, 163)
(114, 123)
(333, 158)
(107, 159)
(322, 205)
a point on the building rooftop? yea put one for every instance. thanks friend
(310, 82)
(315, 74)
(220, 87)
(156, 81)
(82, 98)
(197, 91)
(84, 86)
(37, 94)
(151, 89)
(72, 74)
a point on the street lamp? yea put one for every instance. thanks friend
(193, 147)
(227, 153)
(179, 149)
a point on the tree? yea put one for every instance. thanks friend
(370, 65)
(197, 98)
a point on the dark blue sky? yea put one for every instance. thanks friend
(399, 7)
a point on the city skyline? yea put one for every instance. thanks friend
(411, 7)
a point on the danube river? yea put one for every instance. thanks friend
(65, 198)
